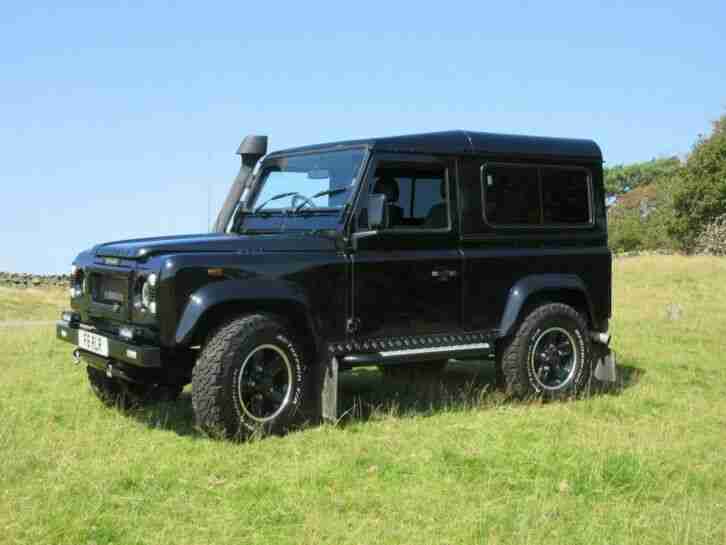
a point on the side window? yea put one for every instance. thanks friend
(535, 195)
(430, 192)
(511, 195)
(565, 196)
(416, 196)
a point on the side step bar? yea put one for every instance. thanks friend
(409, 355)
(394, 352)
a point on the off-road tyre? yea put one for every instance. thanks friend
(219, 385)
(517, 356)
(115, 392)
(412, 371)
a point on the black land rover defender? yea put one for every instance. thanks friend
(400, 252)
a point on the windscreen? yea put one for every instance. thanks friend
(305, 176)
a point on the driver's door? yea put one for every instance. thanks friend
(407, 274)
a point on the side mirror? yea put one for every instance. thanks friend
(376, 210)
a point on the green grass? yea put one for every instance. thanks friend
(32, 303)
(450, 463)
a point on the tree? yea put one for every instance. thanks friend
(701, 196)
(620, 178)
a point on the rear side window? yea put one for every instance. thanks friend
(565, 196)
(511, 195)
(535, 195)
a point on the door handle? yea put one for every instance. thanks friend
(444, 274)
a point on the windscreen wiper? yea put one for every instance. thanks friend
(322, 194)
(276, 197)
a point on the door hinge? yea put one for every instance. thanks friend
(352, 325)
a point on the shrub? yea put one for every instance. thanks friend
(625, 232)
(631, 230)
(712, 239)
(701, 197)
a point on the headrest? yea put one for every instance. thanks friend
(388, 186)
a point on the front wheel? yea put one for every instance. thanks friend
(250, 378)
(549, 355)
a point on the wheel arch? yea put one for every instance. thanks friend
(212, 305)
(534, 290)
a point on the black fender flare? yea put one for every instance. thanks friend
(532, 284)
(242, 291)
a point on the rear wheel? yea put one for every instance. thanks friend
(250, 378)
(549, 354)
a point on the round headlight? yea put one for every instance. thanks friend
(77, 281)
(148, 293)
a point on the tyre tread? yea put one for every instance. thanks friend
(515, 377)
(209, 377)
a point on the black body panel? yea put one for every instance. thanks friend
(314, 286)
(395, 292)
(402, 294)
(146, 247)
(504, 265)
(468, 142)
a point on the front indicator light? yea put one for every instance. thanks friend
(69, 317)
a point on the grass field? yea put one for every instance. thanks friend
(32, 303)
(411, 465)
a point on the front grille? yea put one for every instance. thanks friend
(109, 289)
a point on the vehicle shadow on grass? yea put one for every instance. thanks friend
(366, 394)
(176, 416)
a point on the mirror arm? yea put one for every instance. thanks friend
(362, 234)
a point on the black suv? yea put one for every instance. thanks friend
(401, 252)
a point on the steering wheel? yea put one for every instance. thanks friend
(299, 197)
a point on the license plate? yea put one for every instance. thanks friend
(93, 343)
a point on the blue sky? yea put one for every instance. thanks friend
(120, 120)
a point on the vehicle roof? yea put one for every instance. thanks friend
(468, 142)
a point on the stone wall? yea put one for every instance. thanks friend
(27, 280)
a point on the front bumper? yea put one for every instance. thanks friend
(118, 350)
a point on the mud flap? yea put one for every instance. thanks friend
(329, 392)
(605, 366)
